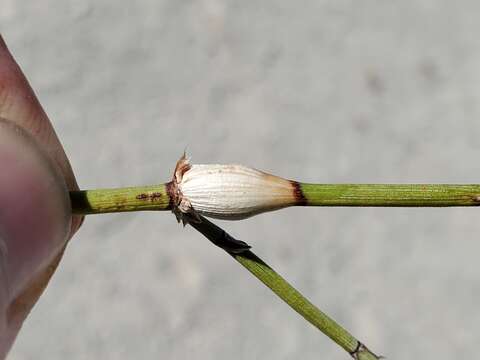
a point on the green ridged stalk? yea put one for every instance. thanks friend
(390, 195)
(285, 291)
(100, 201)
(303, 306)
(157, 197)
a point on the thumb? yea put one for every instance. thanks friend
(34, 225)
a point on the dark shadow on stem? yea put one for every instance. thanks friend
(220, 237)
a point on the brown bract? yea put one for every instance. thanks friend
(181, 206)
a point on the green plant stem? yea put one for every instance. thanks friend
(287, 292)
(119, 200)
(406, 195)
(156, 197)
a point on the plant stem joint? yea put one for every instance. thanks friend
(360, 350)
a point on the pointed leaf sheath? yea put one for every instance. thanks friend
(231, 192)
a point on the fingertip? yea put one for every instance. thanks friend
(35, 213)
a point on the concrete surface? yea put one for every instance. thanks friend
(326, 91)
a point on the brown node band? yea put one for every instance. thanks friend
(298, 194)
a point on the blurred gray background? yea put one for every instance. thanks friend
(320, 91)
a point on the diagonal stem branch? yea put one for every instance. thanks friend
(284, 290)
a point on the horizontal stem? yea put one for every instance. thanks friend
(156, 197)
(139, 198)
(407, 195)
